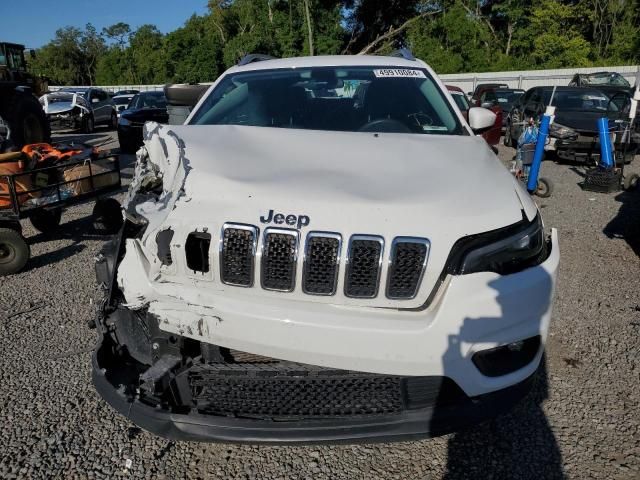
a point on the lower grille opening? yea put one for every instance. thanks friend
(197, 251)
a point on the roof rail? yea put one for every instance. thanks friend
(254, 57)
(403, 53)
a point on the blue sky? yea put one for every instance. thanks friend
(34, 22)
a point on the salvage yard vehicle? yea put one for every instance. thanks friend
(492, 134)
(573, 135)
(103, 110)
(41, 180)
(22, 121)
(309, 259)
(144, 107)
(122, 102)
(67, 111)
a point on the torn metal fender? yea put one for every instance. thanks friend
(161, 160)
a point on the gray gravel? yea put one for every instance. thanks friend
(582, 421)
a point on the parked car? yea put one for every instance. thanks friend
(103, 110)
(67, 111)
(324, 252)
(144, 107)
(474, 97)
(493, 134)
(505, 97)
(574, 133)
(122, 102)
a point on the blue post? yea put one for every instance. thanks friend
(543, 133)
(606, 157)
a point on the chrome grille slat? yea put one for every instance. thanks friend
(364, 264)
(237, 254)
(279, 259)
(321, 263)
(407, 263)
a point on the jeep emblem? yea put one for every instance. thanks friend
(280, 219)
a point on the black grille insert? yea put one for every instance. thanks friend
(279, 256)
(408, 261)
(291, 391)
(197, 251)
(321, 265)
(363, 266)
(237, 255)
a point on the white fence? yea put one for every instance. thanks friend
(467, 81)
(527, 79)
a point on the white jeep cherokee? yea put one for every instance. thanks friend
(324, 252)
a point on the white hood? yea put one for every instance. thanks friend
(432, 186)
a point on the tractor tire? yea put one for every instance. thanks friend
(46, 221)
(14, 251)
(26, 119)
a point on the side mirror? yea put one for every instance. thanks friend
(486, 105)
(481, 118)
(95, 100)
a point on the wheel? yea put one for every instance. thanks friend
(46, 221)
(544, 188)
(113, 123)
(14, 251)
(26, 119)
(631, 182)
(107, 216)
(88, 125)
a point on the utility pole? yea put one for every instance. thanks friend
(308, 15)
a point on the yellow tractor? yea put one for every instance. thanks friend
(22, 119)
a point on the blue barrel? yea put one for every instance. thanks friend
(543, 133)
(606, 156)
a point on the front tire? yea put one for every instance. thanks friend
(89, 125)
(14, 251)
(107, 216)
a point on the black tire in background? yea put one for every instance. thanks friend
(107, 216)
(25, 117)
(113, 121)
(88, 124)
(14, 251)
(46, 221)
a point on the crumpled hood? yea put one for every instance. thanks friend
(432, 186)
(59, 107)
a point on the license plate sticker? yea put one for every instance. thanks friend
(398, 73)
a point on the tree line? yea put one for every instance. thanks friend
(451, 35)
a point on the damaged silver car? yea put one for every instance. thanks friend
(67, 111)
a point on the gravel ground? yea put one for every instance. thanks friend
(582, 420)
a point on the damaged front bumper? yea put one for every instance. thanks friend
(418, 376)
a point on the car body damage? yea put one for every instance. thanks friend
(65, 110)
(292, 285)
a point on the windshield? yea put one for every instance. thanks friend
(121, 100)
(508, 97)
(605, 78)
(579, 99)
(351, 99)
(150, 100)
(62, 97)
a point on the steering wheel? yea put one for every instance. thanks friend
(385, 125)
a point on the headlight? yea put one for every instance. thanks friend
(562, 132)
(504, 251)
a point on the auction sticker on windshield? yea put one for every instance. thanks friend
(398, 72)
